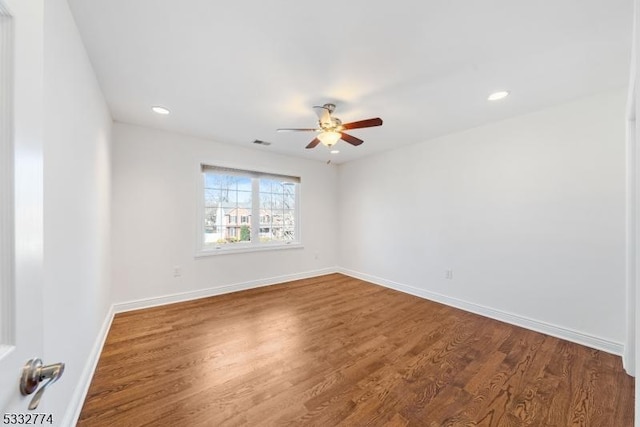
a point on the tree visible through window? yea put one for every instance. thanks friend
(277, 210)
(248, 208)
(226, 197)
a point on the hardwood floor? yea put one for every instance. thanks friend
(334, 350)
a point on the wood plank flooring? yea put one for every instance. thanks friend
(334, 350)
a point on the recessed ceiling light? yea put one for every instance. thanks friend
(498, 95)
(335, 151)
(160, 110)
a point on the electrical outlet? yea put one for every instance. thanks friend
(448, 274)
(177, 271)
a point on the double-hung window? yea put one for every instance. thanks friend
(248, 210)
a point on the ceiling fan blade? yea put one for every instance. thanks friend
(363, 124)
(351, 139)
(296, 130)
(324, 114)
(313, 143)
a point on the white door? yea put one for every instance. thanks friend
(21, 205)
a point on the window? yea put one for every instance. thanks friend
(248, 210)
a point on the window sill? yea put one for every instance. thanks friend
(224, 250)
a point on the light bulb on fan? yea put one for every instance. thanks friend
(329, 138)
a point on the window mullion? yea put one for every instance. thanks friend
(255, 211)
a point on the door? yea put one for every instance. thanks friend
(21, 202)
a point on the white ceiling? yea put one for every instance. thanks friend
(235, 71)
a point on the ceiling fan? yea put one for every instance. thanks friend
(331, 128)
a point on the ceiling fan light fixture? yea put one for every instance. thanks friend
(329, 138)
(330, 129)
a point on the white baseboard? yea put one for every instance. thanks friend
(503, 316)
(628, 363)
(219, 290)
(82, 388)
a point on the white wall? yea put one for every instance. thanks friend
(155, 199)
(529, 213)
(76, 204)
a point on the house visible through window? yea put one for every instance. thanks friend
(248, 209)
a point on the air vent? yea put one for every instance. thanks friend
(258, 141)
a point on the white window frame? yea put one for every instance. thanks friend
(254, 245)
